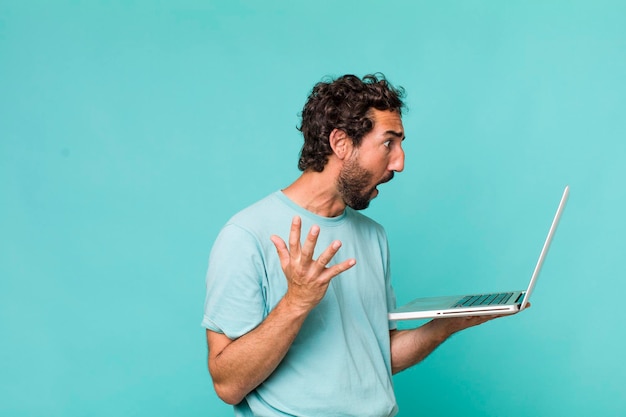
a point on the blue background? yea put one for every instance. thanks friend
(130, 131)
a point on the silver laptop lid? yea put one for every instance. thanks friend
(546, 246)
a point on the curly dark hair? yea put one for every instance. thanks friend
(344, 104)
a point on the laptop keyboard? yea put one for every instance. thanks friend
(484, 300)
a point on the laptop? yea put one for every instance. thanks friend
(500, 303)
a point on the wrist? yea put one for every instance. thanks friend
(294, 307)
(441, 329)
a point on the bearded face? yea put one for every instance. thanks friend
(356, 184)
(373, 161)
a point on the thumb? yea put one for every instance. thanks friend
(281, 248)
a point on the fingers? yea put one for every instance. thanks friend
(309, 245)
(339, 268)
(294, 235)
(307, 279)
(281, 248)
(297, 251)
(328, 255)
(300, 256)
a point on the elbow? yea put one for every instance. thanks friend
(395, 370)
(396, 367)
(228, 388)
(228, 394)
(225, 389)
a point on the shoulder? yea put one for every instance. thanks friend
(262, 217)
(252, 213)
(248, 230)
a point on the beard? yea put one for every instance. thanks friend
(354, 184)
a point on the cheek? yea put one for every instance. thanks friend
(381, 164)
(376, 162)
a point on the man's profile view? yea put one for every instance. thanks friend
(299, 283)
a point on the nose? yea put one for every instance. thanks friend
(397, 160)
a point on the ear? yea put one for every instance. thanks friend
(340, 143)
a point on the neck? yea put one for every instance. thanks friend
(317, 193)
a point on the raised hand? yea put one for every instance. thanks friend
(307, 279)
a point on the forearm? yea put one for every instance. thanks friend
(246, 362)
(409, 347)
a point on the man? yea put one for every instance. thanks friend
(291, 329)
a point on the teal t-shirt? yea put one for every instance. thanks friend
(340, 362)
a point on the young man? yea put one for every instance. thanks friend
(292, 329)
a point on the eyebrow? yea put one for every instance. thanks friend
(396, 134)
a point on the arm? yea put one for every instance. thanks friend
(238, 366)
(409, 347)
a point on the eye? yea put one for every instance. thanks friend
(387, 143)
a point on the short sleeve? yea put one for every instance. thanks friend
(235, 299)
(391, 295)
